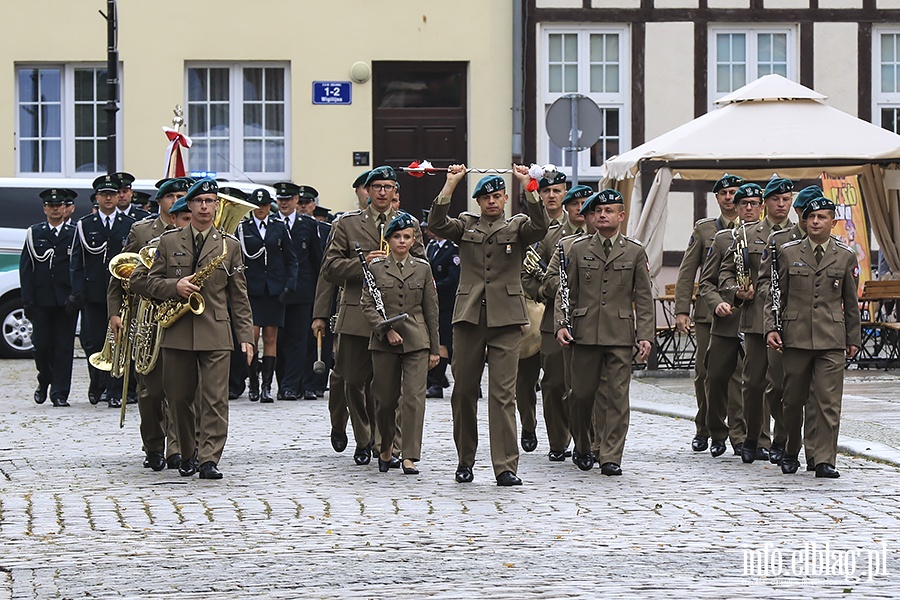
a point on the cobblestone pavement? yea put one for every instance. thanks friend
(80, 518)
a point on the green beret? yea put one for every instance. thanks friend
(361, 180)
(381, 173)
(748, 190)
(488, 185)
(286, 189)
(815, 204)
(207, 185)
(260, 197)
(608, 196)
(728, 181)
(807, 194)
(106, 183)
(558, 177)
(579, 191)
(401, 221)
(234, 192)
(55, 196)
(179, 206)
(172, 185)
(778, 185)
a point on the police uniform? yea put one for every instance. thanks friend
(95, 244)
(46, 288)
(444, 258)
(327, 300)
(312, 381)
(487, 316)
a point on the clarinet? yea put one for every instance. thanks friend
(564, 290)
(741, 258)
(370, 283)
(776, 291)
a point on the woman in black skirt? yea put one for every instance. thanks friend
(271, 272)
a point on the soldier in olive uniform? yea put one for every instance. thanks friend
(697, 250)
(342, 267)
(820, 324)
(327, 302)
(46, 297)
(611, 307)
(489, 313)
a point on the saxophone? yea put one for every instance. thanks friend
(169, 311)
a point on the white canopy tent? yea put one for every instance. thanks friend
(772, 125)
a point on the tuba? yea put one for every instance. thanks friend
(148, 332)
(230, 213)
(113, 357)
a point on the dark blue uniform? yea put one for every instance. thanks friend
(94, 246)
(444, 259)
(312, 381)
(270, 267)
(46, 287)
(138, 214)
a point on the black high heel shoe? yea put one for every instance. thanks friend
(409, 470)
(383, 465)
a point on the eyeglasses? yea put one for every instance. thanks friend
(204, 200)
(377, 187)
(750, 203)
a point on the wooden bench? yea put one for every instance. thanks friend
(874, 290)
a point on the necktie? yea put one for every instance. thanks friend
(400, 266)
(819, 252)
(109, 222)
(776, 228)
(55, 232)
(579, 231)
(262, 228)
(287, 221)
(607, 246)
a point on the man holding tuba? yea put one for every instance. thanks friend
(196, 347)
(157, 432)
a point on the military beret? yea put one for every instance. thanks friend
(55, 196)
(207, 185)
(307, 193)
(125, 179)
(260, 197)
(818, 204)
(179, 206)
(234, 193)
(70, 196)
(807, 194)
(139, 197)
(728, 181)
(286, 189)
(608, 196)
(401, 221)
(360, 180)
(748, 190)
(579, 191)
(172, 185)
(488, 185)
(778, 185)
(381, 173)
(106, 183)
(558, 177)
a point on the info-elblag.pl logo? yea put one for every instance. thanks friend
(816, 559)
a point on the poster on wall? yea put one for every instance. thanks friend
(850, 220)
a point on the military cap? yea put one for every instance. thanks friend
(423, 222)
(234, 193)
(778, 185)
(558, 177)
(401, 221)
(748, 190)
(125, 179)
(361, 180)
(815, 204)
(286, 189)
(55, 196)
(179, 206)
(579, 191)
(140, 198)
(307, 193)
(106, 183)
(260, 197)
(321, 211)
(488, 185)
(607, 196)
(172, 185)
(207, 185)
(807, 194)
(728, 181)
(70, 196)
(381, 173)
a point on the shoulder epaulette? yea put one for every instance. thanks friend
(230, 236)
(724, 232)
(633, 240)
(171, 231)
(574, 235)
(351, 213)
(421, 260)
(791, 243)
(466, 213)
(841, 244)
(704, 220)
(378, 260)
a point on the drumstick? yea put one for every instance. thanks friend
(319, 366)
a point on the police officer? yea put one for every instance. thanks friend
(46, 297)
(692, 261)
(98, 238)
(608, 274)
(271, 272)
(125, 198)
(820, 324)
(312, 385)
(443, 255)
(489, 313)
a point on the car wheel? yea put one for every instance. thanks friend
(15, 341)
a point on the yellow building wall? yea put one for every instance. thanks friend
(669, 77)
(836, 59)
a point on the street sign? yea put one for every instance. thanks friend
(331, 92)
(574, 123)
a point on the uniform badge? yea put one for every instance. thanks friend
(836, 284)
(178, 272)
(509, 249)
(691, 242)
(456, 260)
(856, 271)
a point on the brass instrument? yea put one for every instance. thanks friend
(531, 333)
(148, 332)
(230, 213)
(534, 264)
(112, 357)
(382, 244)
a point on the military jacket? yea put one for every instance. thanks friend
(776, 240)
(304, 233)
(708, 290)
(270, 263)
(44, 265)
(698, 248)
(140, 235)
(532, 284)
(94, 246)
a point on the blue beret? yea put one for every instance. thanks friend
(814, 204)
(361, 180)
(380, 173)
(106, 183)
(179, 206)
(579, 191)
(748, 190)
(401, 221)
(175, 184)
(207, 185)
(558, 177)
(778, 185)
(807, 194)
(260, 197)
(488, 185)
(728, 181)
(286, 189)
(607, 196)
(55, 196)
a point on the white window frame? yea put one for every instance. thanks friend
(620, 100)
(67, 118)
(236, 118)
(752, 53)
(881, 100)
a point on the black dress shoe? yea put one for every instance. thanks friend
(40, 394)
(776, 453)
(555, 456)
(93, 397)
(288, 394)
(114, 403)
(338, 440)
(508, 478)
(434, 391)
(59, 401)
(395, 462)
(585, 462)
(309, 395)
(717, 448)
(208, 470)
(762, 453)
(529, 441)
(699, 443)
(748, 451)
(132, 399)
(173, 462)
(464, 474)
(155, 460)
(737, 448)
(384, 465)
(826, 470)
(319, 393)
(610, 468)
(810, 464)
(233, 395)
(188, 468)
(409, 470)
(789, 464)
(362, 456)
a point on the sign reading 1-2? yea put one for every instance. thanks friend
(331, 92)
